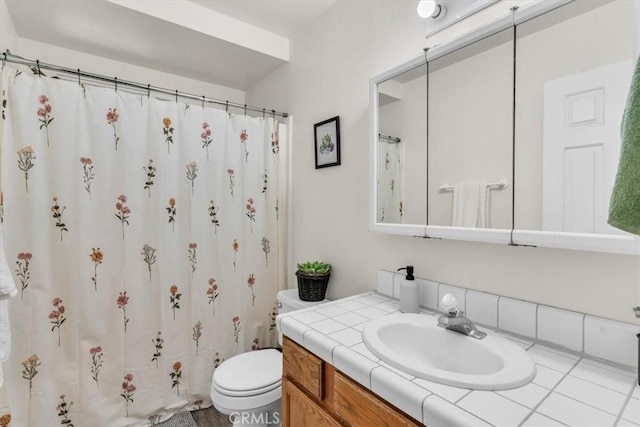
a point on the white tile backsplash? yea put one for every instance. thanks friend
(458, 292)
(518, 317)
(385, 283)
(611, 340)
(601, 338)
(428, 294)
(561, 327)
(482, 308)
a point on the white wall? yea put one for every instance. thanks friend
(8, 35)
(57, 55)
(328, 74)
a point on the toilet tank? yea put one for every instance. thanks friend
(289, 301)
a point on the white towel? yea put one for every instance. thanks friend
(470, 205)
(7, 290)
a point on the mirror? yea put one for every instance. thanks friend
(573, 71)
(401, 147)
(548, 166)
(470, 135)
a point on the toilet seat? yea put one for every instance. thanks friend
(247, 393)
(255, 376)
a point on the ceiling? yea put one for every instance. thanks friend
(233, 43)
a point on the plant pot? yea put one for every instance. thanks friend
(312, 287)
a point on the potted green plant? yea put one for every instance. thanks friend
(313, 278)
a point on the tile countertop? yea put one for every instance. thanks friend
(568, 390)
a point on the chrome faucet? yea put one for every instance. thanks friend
(454, 319)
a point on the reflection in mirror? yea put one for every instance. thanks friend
(401, 172)
(574, 67)
(390, 171)
(470, 135)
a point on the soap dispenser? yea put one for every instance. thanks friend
(409, 298)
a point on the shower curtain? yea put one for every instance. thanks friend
(144, 239)
(390, 172)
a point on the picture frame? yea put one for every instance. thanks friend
(327, 142)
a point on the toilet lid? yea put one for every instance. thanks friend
(249, 371)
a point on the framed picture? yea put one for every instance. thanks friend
(327, 142)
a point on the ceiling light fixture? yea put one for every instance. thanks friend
(430, 9)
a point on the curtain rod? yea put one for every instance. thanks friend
(37, 66)
(389, 138)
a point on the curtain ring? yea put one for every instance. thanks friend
(148, 90)
(202, 101)
(38, 66)
(263, 112)
(115, 83)
(226, 108)
(274, 113)
(79, 82)
(245, 109)
(176, 96)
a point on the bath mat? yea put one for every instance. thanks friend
(181, 419)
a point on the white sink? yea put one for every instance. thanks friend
(415, 344)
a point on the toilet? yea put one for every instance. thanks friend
(248, 387)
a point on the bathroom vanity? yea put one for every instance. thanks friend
(330, 378)
(314, 393)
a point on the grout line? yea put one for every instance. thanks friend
(536, 317)
(422, 403)
(462, 397)
(550, 392)
(626, 403)
(584, 334)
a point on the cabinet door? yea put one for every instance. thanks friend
(357, 406)
(298, 410)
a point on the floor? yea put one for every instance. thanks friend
(210, 418)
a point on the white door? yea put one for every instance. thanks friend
(582, 116)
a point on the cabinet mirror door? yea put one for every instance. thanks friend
(470, 135)
(400, 148)
(574, 66)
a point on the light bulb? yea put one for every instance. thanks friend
(426, 8)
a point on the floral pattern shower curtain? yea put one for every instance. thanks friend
(390, 172)
(144, 235)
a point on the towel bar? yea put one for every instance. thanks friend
(500, 185)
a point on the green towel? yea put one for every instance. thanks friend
(624, 210)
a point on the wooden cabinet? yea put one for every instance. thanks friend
(315, 394)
